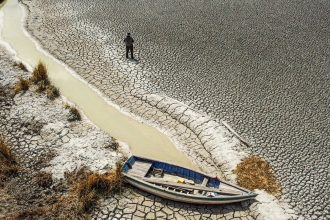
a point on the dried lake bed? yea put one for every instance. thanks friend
(261, 66)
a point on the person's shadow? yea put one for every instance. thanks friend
(134, 60)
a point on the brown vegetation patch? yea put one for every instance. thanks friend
(29, 214)
(40, 77)
(39, 74)
(115, 144)
(42, 86)
(6, 151)
(89, 186)
(44, 179)
(21, 66)
(7, 170)
(52, 92)
(74, 114)
(8, 164)
(256, 173)
(84, 190)
(21, 85)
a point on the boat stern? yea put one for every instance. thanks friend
(128, 164)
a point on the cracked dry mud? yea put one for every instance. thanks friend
(38, 131)
(263, 66)
(42, 139)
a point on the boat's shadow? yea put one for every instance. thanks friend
(202, 209)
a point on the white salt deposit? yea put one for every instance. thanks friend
(271, 209)
(82, 151)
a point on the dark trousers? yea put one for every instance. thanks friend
(129, 48)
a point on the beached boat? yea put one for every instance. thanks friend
(181, 184)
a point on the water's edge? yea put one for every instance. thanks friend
(143, 139)
(167, 152)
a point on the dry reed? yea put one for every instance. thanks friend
(21, 66)
(6, 151)
(52, 92)
(74, 114)
(85, 189)
(256, 173)
(28, 214)
(40, 77)
(90, 186)
(21, 85)
(44, 179)
(39, 74)
(8, 164)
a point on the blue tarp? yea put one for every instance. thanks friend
(173, 169)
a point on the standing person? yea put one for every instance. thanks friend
(129, 45)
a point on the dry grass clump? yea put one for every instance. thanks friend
(44, 179)
(256, 173)
(85, 189)
(7, 170)
(52, 92)
(42, 86)
(39, 74)
(40, 77)
(115, 145)
(21, 85)
(30, 214)
(6, 151)
(20, 65)
(89, 186)
(8, 164)
(74, 114)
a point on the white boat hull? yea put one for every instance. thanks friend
(180, 197)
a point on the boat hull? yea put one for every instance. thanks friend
(179, 197)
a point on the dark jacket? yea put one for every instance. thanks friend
(129, 41)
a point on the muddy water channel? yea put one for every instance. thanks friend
(142, 139)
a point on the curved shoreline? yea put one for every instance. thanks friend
(199, 125)
(206, 141)
(96, 108)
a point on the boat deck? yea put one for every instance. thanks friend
(181, 184)
(139, 169)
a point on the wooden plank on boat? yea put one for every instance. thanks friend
(191, 187)
(205, 180)
(139, 168)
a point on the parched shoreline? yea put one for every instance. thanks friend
(210, 144)
(43, 139)
(278, 128)
(178, 120)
